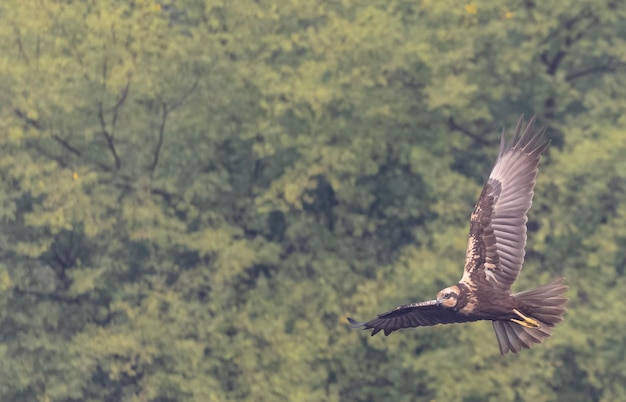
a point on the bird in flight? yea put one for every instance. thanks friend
(494, 258)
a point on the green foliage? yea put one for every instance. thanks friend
(194, 196)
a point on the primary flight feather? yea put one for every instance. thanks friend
(495, 254)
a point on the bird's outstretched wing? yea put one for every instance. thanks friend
(411, 315)
(495, 250)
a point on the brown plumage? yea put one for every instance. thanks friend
(495, 254)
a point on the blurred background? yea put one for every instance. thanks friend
(195, 194)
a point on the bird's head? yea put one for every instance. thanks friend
(448, 297)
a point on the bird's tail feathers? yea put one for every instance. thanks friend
(545, 304)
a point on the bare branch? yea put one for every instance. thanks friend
(184, 97)
(20, 45)
(66, 144)
(165, 110)
(55, 158)
(60, 140)
(455, 127)
(553, 64)
(28, 120)
(157, 151)
(49, 296)
(108, 137)
(69, 147)
(569, 25)
(109, 134)
(593, 70)
(121, 100)
(570, 40)
(571, 37)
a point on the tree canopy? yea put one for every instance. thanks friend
(195, 194)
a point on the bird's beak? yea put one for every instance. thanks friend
(439, 301)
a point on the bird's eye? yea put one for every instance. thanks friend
(447, 295)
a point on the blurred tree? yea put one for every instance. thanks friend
(195, 194)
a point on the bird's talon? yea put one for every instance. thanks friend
(525, 321)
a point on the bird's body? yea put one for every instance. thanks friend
(495, 254)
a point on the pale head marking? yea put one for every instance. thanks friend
(448, 297)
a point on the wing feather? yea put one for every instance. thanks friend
(409, 316)
(495, 251)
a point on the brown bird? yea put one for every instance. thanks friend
(495, 254)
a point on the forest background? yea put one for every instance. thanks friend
(195, 194)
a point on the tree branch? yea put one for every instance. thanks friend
(120, 101)
(20, 45)
(66, 145)
(165, 110)
(552, 65)
(110, 134)
(174, 105)
(27, 119)
(455, 127)
(593, 70)
(570, 38)
(48, 296)
(108, 137)
(61, 141)
(157, 151)
(55, 158)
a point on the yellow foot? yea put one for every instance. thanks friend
(525, 321)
